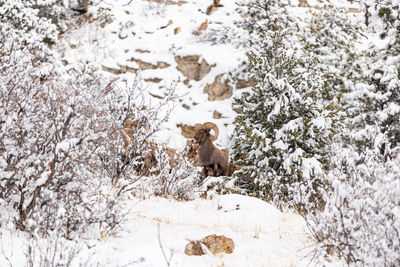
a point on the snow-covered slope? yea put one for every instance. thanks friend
(263, 236)
(156, 32)
(150, 32)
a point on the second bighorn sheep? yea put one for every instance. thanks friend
(209, 155)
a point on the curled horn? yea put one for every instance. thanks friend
(213, 126)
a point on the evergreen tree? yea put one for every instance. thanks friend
(282, 134)
(375, 99)
(332, 36)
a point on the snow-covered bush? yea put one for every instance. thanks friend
(181, 180)
(285, 126)
(374, 98)
(40, 21)
(361, 219)
(50, 127)
(130, 101)
(53, 251)
(61, 163)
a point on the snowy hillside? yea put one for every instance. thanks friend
(263, 236)
(81, 183)
(153, 36)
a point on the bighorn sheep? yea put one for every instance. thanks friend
(209, 155)
(202, 151)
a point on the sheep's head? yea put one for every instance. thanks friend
(204, 133)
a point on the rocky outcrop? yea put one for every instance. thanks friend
(303, 3)
(142, 66)
(177, 30)
(213, 7)
(242, 83)
(214, 243)
(146, 66)
(188, 131)
(218, 90)
(191, 68)
(217, 115)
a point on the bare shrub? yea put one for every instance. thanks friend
(180, 181)
(361, 219)
(61, 163)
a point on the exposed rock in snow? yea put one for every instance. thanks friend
(242, 83)
(189, 131)
(214, 243)
(303, 3)
(218, 90)
(145, 65)
(191, 68)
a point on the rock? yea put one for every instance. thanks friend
(237, 110)
(177, 30)
(303, 3)
(145, 65)
(125, 69)
(213, 7)
(162, 65)
(191, 68)
(217, 115)
(153, 80)
(194, 249)
(215, 244)
(203, 26)
(189, 131)
(179, 3)
(218, 90)
(123, 35)
(111, 70)
(354, 10)
(141, 51)
(218, 244)
(241, 83)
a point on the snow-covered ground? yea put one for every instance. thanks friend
(263, 235)
(144, 30)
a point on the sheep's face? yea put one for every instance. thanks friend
(202, 135)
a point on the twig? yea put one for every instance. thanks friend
(8, 258)
(128, 3)
(168, 261)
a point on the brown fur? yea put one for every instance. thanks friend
(210, 156)
(232, 167)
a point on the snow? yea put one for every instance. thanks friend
(263, 235)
